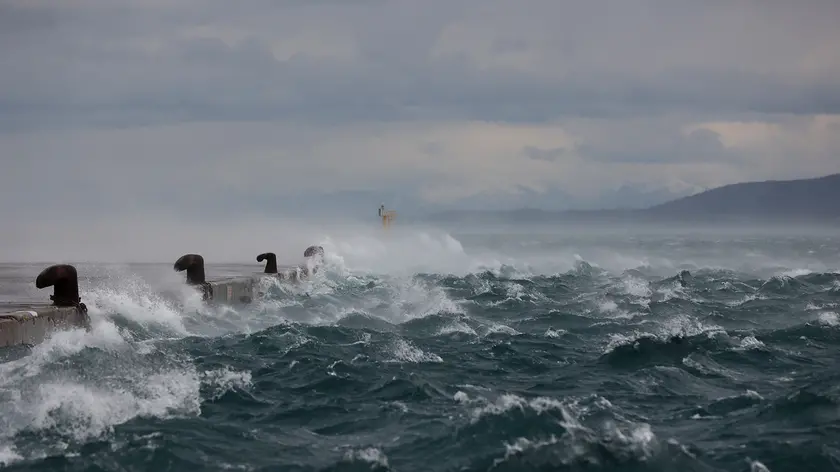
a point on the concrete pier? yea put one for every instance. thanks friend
(244, 289)
(230, 291)
(293, 273)
(32, 323)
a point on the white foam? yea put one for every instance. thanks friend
(404, 351)
(397, 253)
(370, 455)
(608, 306)
(793, 273)
(682, 325)
(555, 333)
(56, 388)
(8, 455)
(639, 439)
(225, 379)
(84, 411)
(636, 287)
(498, 328)
(521, 445)
(507, 402)
(612, 311)
(749, 343)
(137, 304)
(746, 299)
(635, 437)
(829, 318)
(456, 327)
(756, 466)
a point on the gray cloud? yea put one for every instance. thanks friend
(408, 61)
(215, 109)
(548, 155)
(653, 142)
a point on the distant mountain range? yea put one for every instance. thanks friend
(816, 200)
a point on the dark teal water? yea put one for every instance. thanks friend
(426, 352)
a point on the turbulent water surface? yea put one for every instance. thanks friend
(435, 352)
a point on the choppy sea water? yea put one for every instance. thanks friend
(424, 351)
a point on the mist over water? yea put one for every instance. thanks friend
(530, 348)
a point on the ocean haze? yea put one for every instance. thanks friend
(229, 232)
(290, 109)
(804, 202)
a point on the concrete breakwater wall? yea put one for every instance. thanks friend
(31, 323)
(26, 324)
(244, 289)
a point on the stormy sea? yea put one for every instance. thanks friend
(427, 350)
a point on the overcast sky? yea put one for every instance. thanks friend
(154, 107)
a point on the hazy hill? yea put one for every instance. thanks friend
(816, 199)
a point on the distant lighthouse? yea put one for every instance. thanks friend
(386, 215)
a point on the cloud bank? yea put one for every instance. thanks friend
(212, 110)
